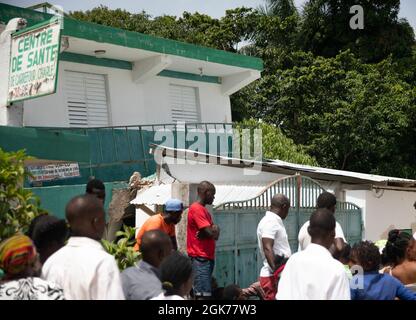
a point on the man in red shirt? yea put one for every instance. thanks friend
(201, 236)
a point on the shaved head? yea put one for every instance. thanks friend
(204, 186)
(206, 192)
(86, 216)
(280, 200)
(322, 226)
(155, 246)
(280, 205)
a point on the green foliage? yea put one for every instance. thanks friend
(348, 114)
(276, 146)
(122, 250)
(325, 29)
(18, 206)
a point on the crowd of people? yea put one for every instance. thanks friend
(64, 259)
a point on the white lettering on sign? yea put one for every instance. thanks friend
(53, 172)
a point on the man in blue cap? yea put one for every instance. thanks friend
(165, 222)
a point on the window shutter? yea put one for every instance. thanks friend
(183, 104)
(86, 99)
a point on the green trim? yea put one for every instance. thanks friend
(105, 34)
(104, 62)
(57, 58)
(19, 33)
(35, 26)
(189, 76)
(126, 65)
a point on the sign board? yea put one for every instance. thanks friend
(53, 171)
(34, 61)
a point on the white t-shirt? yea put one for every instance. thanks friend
(304, 237)
(85, 271)
(163, 297)
(271, 226)
(312, 274)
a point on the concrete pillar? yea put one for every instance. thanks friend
(10, 115)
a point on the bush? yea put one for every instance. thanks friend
(18, 206)
(122, 250)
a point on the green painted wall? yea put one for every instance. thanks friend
(54, 199)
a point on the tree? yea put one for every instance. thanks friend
(18, 206)
(275, 145)
(348, 115)
(280, 8)
(325, 29)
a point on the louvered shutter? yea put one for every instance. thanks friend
(183, 104)
(86, 99)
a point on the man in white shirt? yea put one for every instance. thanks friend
(313, 274)
(272, 241)
(326, 200)
(83, 268)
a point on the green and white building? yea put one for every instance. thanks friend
(113, 77)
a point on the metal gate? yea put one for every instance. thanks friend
(237, 257)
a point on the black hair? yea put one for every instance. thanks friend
(32, 225)
(48, 229)
(367, 255)
(94, 184)
(175, 270)
(231, 292)
(345, 253)
(205, 185)
(321, 223)
(395, 249)
(326, 200)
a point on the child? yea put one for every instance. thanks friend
(176, 277)
(376, 286)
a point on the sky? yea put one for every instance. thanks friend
(214, 8)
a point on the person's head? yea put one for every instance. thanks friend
(344, 254)
(366, 255)
(322, 227)
(86, 216)
(280, 205)
(411, 249)
(395, 250)
(155, 247)
(176, 275)
(49, 235)
(33, 223)
(18, 258)
(173, 211)
(96, 187)
(206, 192)
(327, 200)
(233, 292)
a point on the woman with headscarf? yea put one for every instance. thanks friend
(20, 267)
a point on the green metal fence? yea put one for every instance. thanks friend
(116, 152)
(238, 259)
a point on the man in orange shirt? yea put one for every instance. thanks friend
(165, 222)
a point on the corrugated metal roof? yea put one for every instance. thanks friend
(283, 167)
(358, 175)
(159, 194)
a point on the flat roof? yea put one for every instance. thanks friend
(129, 39)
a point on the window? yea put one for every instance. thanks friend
(183, 103)
(86, 99)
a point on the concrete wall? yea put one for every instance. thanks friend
(129, 103)
(386, 210)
